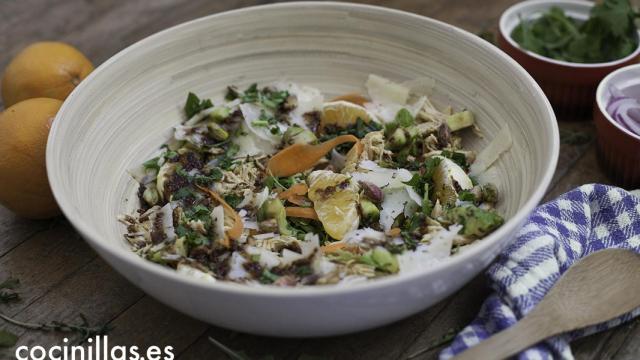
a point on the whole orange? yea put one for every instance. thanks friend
(24, 187)
(44, 69)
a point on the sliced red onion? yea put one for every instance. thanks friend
(614, 105)
(630, 122)
(625, 110)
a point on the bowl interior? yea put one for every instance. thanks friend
(120, 115)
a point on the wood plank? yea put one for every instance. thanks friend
(94, 290)
(15, 230)
(606, 345)
(44, 262)
(149, 323)
(629, 349)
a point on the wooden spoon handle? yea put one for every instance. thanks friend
(526, 332)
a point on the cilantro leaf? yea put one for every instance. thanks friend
(194, 105)
(404, 118)
(233, 200)
(609, 34)
(151, 164)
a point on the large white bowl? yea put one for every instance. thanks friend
(119, 115)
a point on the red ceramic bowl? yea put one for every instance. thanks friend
(618, 148)
(570, 87)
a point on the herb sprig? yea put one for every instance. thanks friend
(9, 294)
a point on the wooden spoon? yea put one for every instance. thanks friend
(300, 157)
(600, 287)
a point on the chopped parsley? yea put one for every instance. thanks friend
(267, 97)
(283, 183)
(267, 120)
(421, 180)
(457, 157)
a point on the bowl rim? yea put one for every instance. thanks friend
(513, 10)
(100, 243)
(602, 107)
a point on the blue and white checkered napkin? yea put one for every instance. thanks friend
(556, 235)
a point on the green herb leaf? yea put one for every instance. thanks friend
(359, 130)
(268, 277)
(194, 105)
(284, 183)
(10, 283)
(404, 118)
(7, 339)
(250, 95)
(457, 157)
(184, 193)
(7, 293)
(151, 164)
(466, 195)
(233, 200)
(421, 180)
(198, 212)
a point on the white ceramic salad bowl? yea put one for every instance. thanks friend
(120, 115)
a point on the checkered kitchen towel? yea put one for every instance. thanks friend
(556, 235)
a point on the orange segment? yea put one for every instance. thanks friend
(342, 114)
(335, 200)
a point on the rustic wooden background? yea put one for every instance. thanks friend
(62, 277)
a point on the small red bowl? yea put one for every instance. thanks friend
(618, 148)
(570, 87)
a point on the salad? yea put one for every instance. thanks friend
(278, 185)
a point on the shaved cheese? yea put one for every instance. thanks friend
(251, 145)
(431, 253)
(264, 236)
(387, 112)
(236, 268)
(194, 273)
(166, 214)
(368, 235)
(251, 113)
(308, 100)
(384, 91)
(392, 206)
(499, 145)
(143, 175)
(217, 219)
(322, 266)
(381, 177)
(414, 195)
(268, 259)
(261, 197)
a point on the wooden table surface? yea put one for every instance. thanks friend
(62, 277)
